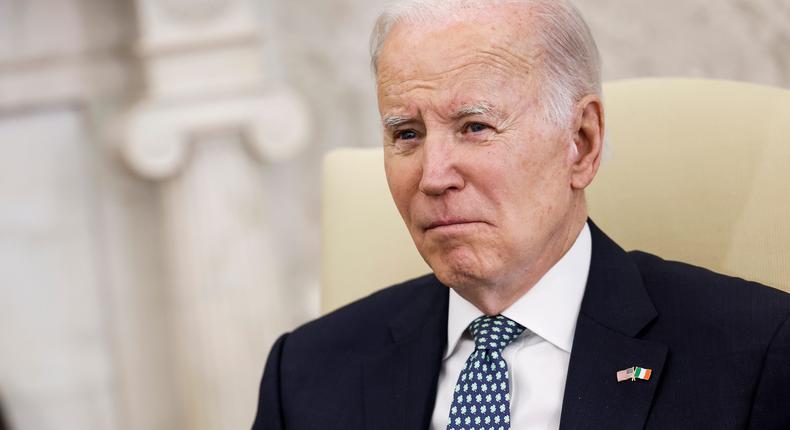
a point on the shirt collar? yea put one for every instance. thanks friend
(549, 309)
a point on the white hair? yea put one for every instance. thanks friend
(570, 68)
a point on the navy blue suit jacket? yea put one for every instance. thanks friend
(718, 347)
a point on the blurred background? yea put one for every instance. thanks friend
(159, 183)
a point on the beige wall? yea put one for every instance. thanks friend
(103, 264)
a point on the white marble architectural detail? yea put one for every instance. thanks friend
(157, 136)
(223, 282)
(225, 288)
(206, 127)
(57, 358)
(56, 367)
(206, 47)
(49, 55)
(745, 40)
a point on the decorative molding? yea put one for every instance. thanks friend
(205, 121)
(208, 71)
(194, 11)
(205, 77)
(63, 79)
(173, 23)
(275, 127)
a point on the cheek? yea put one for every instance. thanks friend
(503, 179)
(403, 180)
(522, 187)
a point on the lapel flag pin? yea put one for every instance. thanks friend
(634, 373)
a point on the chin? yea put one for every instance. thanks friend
(463, 273)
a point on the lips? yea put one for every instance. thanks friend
(450, 222)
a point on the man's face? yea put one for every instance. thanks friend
(481, 180)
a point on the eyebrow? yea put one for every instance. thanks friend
(393, 121)
(481, 108)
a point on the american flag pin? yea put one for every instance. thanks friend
(634, 373)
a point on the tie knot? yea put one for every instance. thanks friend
(494, 333)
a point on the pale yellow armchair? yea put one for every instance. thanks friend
(699, 171)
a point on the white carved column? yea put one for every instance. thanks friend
(206, 127)
(62, 65)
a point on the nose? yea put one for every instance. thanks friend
(440, 171)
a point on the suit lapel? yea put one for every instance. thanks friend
(593, 397)
(400, 382)
(615, 309)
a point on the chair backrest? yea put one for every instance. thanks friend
(699, 171)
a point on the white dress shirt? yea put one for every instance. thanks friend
(538, 359)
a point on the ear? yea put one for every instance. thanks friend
(588, 132)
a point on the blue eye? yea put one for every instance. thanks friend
(476, 127)
(406, 134)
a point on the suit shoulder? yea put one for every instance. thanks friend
(677, 287)
(364, 323)
(656, 269)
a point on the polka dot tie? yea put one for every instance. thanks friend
(481, 400)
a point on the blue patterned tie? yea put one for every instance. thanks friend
(481, 400)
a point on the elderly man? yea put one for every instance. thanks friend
(493, 127)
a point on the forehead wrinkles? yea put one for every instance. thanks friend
(484, 68)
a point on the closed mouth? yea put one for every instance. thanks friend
(439, 224)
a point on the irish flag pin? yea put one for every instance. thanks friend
(634, 373)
